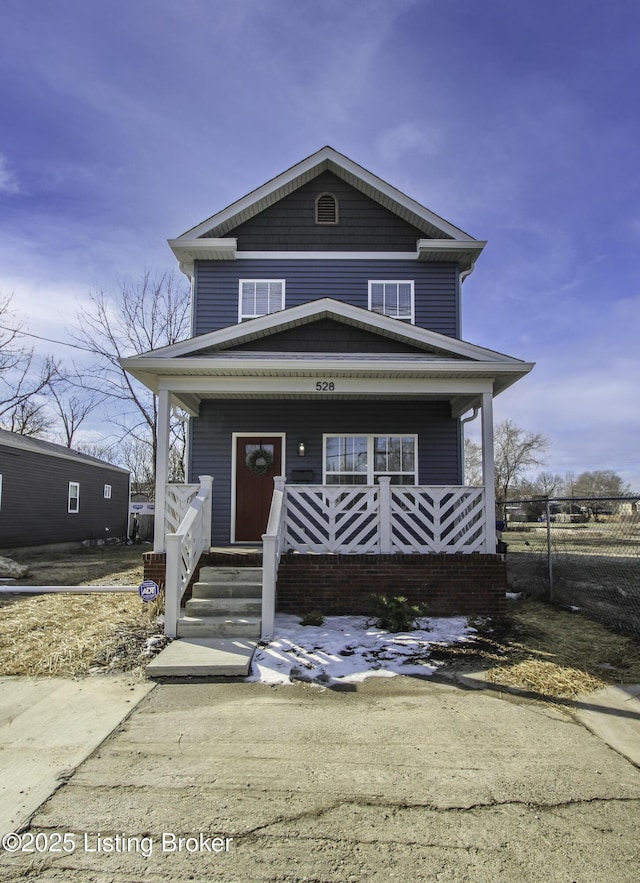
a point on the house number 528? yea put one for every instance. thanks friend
(325, 386)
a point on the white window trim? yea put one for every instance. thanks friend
(107, 492)
(76, 485)
(0, 492)
(371, 473)
(412, 318)
(241, 282)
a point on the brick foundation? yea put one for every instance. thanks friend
(450, 585)
(154, 566)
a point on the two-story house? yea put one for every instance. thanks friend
(326, 349)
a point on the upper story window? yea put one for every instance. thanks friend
(394, 299)
(107, 491)
(73, 500)
(326, 209)
(259, 297)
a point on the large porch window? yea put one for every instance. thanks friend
(362, 459)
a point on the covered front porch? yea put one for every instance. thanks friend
(382, 474)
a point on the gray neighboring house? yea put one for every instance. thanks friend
(51, 494)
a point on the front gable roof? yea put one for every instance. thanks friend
(420, 354)
(207, 241)
(326, 308)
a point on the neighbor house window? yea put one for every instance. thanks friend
(394, 299)
(326, 209)
(260, 296)
(362, 459)
(74, 497)
(107, 491)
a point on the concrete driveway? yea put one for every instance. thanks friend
(397, 780)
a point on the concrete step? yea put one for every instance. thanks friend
(233, 607)
(226, 590)
(204, 657)
(219, 627)
(230, 574)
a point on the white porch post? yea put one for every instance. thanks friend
(384, 515)
(488, 472)
(162, 468)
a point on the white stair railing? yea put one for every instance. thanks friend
(272, 545)
(184, 548)
(177, 500)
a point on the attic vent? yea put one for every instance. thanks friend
(326, 209)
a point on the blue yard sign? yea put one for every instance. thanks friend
(148, 590)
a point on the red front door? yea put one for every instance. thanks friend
(258, 461)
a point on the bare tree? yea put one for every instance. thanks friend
(23, 381)
(142, 315)
(544, 484)
(472, 463)
(72, 410)
(601, 483)
(137, 457)
(516, 451)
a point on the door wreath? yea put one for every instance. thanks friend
(260, 461)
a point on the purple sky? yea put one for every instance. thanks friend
(123, 124)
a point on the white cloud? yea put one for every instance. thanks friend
(8, 181)
(408, 138)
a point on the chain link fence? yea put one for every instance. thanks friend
(583, 554)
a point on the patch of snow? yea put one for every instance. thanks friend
(348, 649)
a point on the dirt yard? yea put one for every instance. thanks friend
(542, 649)
(71, 635)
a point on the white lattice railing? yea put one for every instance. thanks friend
(185, 545)
(178, 498)
(384, 518)
(437, 519)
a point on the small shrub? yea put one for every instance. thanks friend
(397, 614)
(314, 617)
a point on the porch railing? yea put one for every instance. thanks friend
(184, 547)
(178, 498)
(384, 518)
(272, 547)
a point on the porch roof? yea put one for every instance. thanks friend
(440, 368)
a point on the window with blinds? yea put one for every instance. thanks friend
(259, 297)
(394, 299)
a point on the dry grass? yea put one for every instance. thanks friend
(70, 635)
(540, 649)
(558, 654)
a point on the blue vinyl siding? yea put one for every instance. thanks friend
(290, 224)
(217, 287)
(439, 460)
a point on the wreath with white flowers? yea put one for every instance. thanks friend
(260, 461)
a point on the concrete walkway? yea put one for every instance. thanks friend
(391, 780)
(48, 726)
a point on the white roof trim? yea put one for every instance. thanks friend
(325, 159)
(188, 251)
(324, 308)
